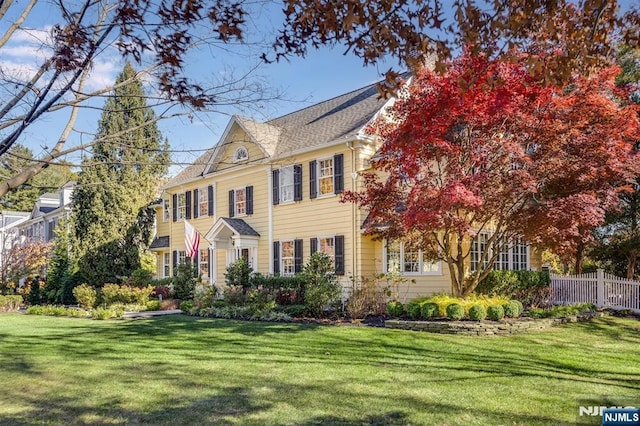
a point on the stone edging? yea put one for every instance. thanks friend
(488, 328)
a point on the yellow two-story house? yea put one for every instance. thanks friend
(270, 192)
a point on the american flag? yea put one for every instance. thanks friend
(191, 240)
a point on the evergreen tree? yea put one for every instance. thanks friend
(111, 225)
(60, 267)
(24, 197)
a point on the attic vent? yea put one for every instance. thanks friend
(241, 154)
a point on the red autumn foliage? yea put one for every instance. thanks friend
(485, 147)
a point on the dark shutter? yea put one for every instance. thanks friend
(276, 257)
(196, 261)
(338, 173)
(187, 201)
(249, 198)
(314, 245)
(275, 179)
(196, 203)
(313, 188)
(175, 207)
(210, 199)
(175, 262)
(231, 204)
(339, 254)
(297, 182)
(297, 256)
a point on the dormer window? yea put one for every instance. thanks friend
(241, 154)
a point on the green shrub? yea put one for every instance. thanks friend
(519, 307)
(106, 313)
(413, 310)
(35, 310)
(110, 294)
(512, 309)
(10, 303)
(531, 287)
(395, 309)
(295, 311)
(455, 311)
(477, 313)
(238, 273)
(85, 295)
(287, 290)
(34, 298)
(561, 311)
(58, 311)
(443, 300)
(234, 296)
(495, 312)
(186, 306)
(205, 296)
(322, 290)
(141, 278)
(184, 283)
(429, 310)
(153, 305)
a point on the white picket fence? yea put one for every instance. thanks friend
(604, 290)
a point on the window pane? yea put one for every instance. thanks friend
(393, 257)
(286, 184)
(182, 206)
(429, 265)
(203, 202)
(411, 259)
(325, 176)
(327, 246)
(204, 262)
(240, 200)
(287, 255)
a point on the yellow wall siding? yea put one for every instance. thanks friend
(235, 139)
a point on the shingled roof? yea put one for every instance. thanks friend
(336, 119)
(330, 121)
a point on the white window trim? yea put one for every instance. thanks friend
(200, 262)
(235, 201)
(237, 151)
(184, 214)
(333, 182)
(281, 186)
(333, 237)
(293, 258)
(166, 210)
(203, 191)
(510, 257)
(420, 262)
(166, 265)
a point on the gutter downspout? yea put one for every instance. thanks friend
(354, 212)
(270, 216)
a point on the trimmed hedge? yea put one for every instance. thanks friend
(495, 312)
(455, 311)
(395, 309)
(530, 287)
(477, 313)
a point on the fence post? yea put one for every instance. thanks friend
(600, 287)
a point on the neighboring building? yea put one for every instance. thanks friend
(9, 232)
(270, 192)
(49, 210)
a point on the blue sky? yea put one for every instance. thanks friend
(321, 75)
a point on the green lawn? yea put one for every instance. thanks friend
(186, 370)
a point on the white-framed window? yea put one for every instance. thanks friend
(203, 266)
(402, 258)
(478, 247)
(325, 177)
(203, 202)
(327, 245)
(182, 257)
(240, 201)
(513, 256)
(166, 210)
(241, 154)
(287, 258)
(286, 184)
(181, 205)
(166, 265)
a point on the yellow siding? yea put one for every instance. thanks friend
(235, 139)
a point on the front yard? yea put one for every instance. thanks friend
(189, 370)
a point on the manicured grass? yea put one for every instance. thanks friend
(186, 370)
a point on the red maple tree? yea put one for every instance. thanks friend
(478, 157)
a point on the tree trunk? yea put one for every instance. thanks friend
(631, 264)
(579, 258)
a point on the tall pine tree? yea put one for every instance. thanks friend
(110, 225)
